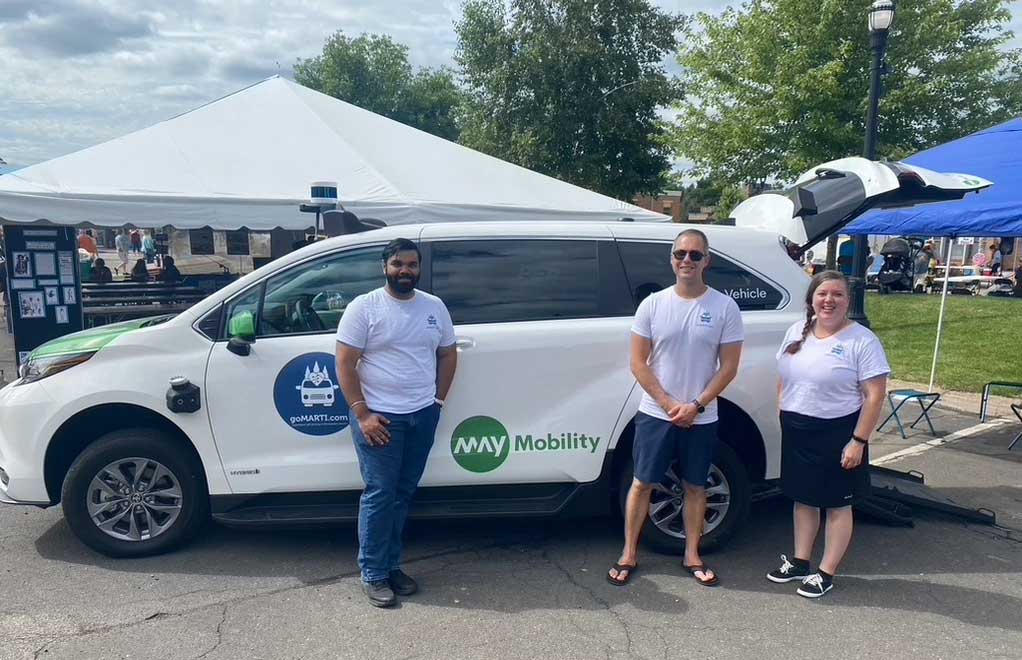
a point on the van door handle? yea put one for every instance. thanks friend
(465, 343)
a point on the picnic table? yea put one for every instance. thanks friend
(109, 302)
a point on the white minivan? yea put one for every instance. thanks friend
(143, 430)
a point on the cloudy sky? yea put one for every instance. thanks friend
(79, 72)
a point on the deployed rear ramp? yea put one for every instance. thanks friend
(896, 494)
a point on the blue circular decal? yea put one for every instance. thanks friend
(308, 396)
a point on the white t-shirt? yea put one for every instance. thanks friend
(398, 340)
(822, 379)
(686, 335)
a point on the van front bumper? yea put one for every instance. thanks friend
(24, 413)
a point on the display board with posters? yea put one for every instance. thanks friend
(43, 284)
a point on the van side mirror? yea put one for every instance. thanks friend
(239, 346)
(241, 329)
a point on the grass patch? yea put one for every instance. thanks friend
(982, 339)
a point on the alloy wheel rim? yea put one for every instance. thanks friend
(134, 499)
(667, 503)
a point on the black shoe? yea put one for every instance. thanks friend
(815, 586)
(379, 593)
(402, 584)
(789, 571)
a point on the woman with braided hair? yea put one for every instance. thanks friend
(833, 378)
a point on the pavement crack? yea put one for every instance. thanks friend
(313, 584)
(596, 598)
(219, 634)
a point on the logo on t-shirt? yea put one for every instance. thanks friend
(307, 396)
(705, 318)
(431, 322)
(838, 350)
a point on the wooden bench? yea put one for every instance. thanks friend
(109, 302)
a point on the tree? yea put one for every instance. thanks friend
(373, 72)
(778, 86)
(705, 192)
(570, 88)
(731, 197)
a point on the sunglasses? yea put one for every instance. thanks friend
(695, 255)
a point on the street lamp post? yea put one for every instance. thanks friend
(881, 15)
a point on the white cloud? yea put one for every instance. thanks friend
(78, 72)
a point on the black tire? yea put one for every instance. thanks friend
(143, 443)
(727, 463)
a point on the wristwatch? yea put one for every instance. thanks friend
(699, 407)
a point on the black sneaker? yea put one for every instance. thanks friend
(379, 593)
(402, 583)
(815, 586)
(789, 571)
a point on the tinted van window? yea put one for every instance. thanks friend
(497, 281)
(648, 268)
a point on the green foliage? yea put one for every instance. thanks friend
(570, 88)
(705, 192)
(778, 86)
(731, 197)
(373, 72)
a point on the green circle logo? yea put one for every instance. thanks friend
(480, 444)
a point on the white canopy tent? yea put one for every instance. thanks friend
(248, 159)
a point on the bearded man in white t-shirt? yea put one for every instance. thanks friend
(396, 359)
(685, 348)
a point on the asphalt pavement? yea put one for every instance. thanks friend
(536, 588)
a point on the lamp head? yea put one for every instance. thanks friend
(881, 15)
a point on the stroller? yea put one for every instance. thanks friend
(904, 267)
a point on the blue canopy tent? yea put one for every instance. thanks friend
(995, 154)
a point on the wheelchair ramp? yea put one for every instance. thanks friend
(896, 494)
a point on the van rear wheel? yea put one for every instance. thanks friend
(135, 493)
(727, 504)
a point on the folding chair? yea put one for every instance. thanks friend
(1017, 409)
(926, 400)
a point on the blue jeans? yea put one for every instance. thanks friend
(391, 473)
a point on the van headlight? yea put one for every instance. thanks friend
(45, 366)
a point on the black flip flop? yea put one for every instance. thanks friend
(704, 569)
(618, 581)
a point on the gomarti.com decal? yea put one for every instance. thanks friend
(308, 397)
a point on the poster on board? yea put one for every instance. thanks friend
(44, 285)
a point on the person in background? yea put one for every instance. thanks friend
(149, 248)
(88, 243)
(140, 273)
(170, 273)
(136, 241)
(833, 379)
(123, 245)
(996, 259)
(100, 272)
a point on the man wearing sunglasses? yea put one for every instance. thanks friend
(685, 348)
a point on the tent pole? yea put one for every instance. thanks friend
(940, 318)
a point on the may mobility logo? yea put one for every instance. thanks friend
(308, 397)
(482, 444)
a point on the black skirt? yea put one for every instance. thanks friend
(811, 471)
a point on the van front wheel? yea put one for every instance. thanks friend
(135, 493)
(727, 504)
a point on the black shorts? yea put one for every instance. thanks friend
(811, 471)
(658, 443)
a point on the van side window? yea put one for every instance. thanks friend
(307, 298)
(494, 281)
(648, 268)
(312, 297)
